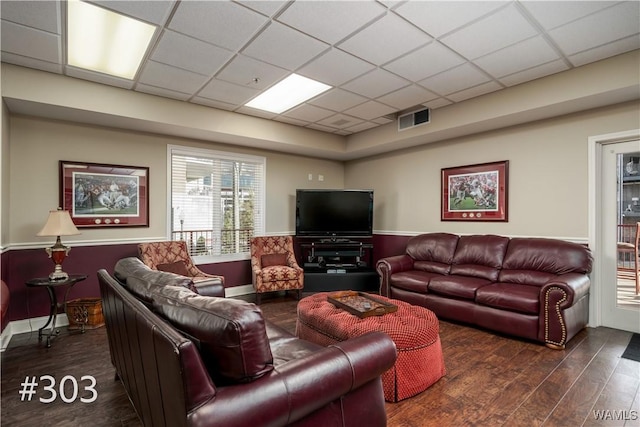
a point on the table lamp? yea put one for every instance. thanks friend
(58, 224)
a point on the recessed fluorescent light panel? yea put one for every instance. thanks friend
(104, 41)
(290, 92)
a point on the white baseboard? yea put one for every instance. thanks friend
(237, 291)
(23, 326)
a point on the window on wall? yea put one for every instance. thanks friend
(217, 201)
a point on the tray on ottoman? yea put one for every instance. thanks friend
(361, 304)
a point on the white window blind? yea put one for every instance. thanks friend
(217, 201)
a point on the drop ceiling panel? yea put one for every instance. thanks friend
(501, 29)
(376, 83)
(370, 110)
(32, 43)
(385, 40)
(551, 14)
(455, 80)
(330, 21)
(338, 100)
(155, 12)
(224, 24)
(172, 78)
(219, 90)
(335, 67)
(438, 18)
(190, 54)
(340, 121)
(284, 47)
(425, 62)
(518, 57)
(242, 70)
(407, 97)
(44, 16)
(309, 113)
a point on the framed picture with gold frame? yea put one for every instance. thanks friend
(103, 195)
(475, 192)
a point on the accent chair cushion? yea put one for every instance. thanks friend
(269, 260)
(178, 267)
(231, 333)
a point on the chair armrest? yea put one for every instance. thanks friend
(390, 265)
(211, 286)
(297, 388)
(573, 287)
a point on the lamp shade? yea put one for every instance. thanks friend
(59, 223)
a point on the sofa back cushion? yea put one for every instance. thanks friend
(231, 333)
(140, 280)
(479, 256)
(535, 261)
(432, 252)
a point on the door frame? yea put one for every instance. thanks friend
(596, 145)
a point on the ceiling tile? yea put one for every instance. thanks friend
(44, 16)
(214, 104)
(498, 30)
(269, 8)
(454, 80)
(407, 97)
(475, 91)
(222, 23)
(190, 54)
(38, 64)
(535, 73)
(340, 121)
(376, 83)
(385, 40)
(425, 62)
(330, 21)
(172, 78)
(242, 70)
(155, 12)
(370, 110)
(308, 113)
(588, 32)
(29, 42)
(361, 127)
(337, 100)
(94, 76)
(153, 90)
(284, 47)
(601, 52)
(551, 14)
(335, 67)
(518, 57)
(441, 17)
(228, 92)
(437, 103)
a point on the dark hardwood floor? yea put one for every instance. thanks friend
(491, 380)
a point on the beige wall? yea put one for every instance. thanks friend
(37, 145)
(548, 175)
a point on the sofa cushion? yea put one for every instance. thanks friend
(432, 252)
(509, 296)
(479, 256)
(231, 333)
(178, 267)
(546, 257)
(269, 260)
(141, 280)
(412, 280)
(457, 286)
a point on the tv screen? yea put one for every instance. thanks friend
(334, 213)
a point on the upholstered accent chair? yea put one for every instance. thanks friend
(274, 266)
(173, 257)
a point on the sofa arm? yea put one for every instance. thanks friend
(300, 387)
(556, 297)
(390, 265)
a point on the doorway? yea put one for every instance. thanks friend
(616, 210)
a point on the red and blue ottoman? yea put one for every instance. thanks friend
(413, 329)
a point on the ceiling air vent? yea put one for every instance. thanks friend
(413, 119)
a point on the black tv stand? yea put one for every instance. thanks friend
(338, 264)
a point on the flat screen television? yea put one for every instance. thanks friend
(334, 213)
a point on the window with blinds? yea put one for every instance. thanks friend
(217, 201)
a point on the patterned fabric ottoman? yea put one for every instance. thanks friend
(414, 330)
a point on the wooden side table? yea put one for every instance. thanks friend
(50, 285)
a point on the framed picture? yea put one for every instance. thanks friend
(99, 195)
(475, 192)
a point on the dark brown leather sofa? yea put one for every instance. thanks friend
(191, 360)
(533, 288)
